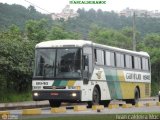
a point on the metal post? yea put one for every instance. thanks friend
(134, 33)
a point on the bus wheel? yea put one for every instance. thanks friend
(136, 97)
(95, 98)
(105, 103)
(54, 103)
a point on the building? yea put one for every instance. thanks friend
(65, 14)
(139, 13)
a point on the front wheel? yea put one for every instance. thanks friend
(54, 103)
(105, 103)
(95, 97)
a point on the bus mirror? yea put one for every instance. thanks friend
(85, 60)
(85, 81)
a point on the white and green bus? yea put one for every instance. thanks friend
(83, 71)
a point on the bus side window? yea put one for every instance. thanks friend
(145, 64)
(132, 62)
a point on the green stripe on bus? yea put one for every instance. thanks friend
(63, 83)
(113, 84)
(60, 83)
(56, 83)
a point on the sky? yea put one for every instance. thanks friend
(55, 6)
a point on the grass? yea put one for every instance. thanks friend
(103, 117)
(80, 117)
(16, 97)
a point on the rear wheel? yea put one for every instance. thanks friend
(54, 103)
(136, 97)
(95, 97)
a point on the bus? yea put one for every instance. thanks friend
(84, 71)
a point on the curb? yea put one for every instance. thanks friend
(24, 105)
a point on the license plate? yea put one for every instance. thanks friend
(54, 93)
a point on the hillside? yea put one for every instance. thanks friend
(87, 19)
(18, 15)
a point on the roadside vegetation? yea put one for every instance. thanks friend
(22, 28)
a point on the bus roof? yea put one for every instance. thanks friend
(62, 43)
(81, 43)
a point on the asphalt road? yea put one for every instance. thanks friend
(70, 112)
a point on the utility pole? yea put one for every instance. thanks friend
(134, 32)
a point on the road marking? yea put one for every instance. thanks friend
(149, 104)
(80, 108)
(31, 111)
(97, 107)
(158, 103)
(126, 105)
(138, 105)
(58, 110)
(111, 106)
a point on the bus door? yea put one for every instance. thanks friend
(87, 64)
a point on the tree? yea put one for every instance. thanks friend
(59, 32)
(37, 30)
(151, 45)
(16, 54)
(110, 37)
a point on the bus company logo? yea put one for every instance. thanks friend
(87, 1)
(99, 74)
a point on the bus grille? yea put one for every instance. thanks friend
(54, 87)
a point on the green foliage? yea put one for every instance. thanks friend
(17, 97)
(155, 88)
(59, 32)
(111, 20)
(110, 37)
(36, 30)
(18, 15)
(151, 45)
(16, 53)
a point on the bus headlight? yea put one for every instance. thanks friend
(74, 94)
(35, 94)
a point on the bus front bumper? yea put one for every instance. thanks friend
(64, 96)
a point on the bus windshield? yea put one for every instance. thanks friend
(58, 63)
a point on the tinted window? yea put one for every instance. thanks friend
(128, 60)
(145, 65)
(119, 60)
(100, 57)
(137, 62)
(110, 59)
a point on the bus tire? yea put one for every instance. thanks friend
(105, 103)
(136, 97)
(95, 97)
(54, 103)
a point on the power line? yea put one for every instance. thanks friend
(37, 6)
